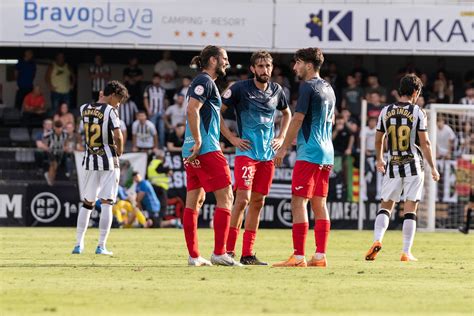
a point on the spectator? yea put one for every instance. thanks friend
(63, 115)
(352, 97)
(168, 70)
(421, 102)
(127, 112)
(123, 128)
(132, 78)
(443, 88)
(61, 80)
(465, 140)
(158, 174)
(468, 99)
(99, 75)
(25, 72)
(41, 153)
(149, 202)
(34, 106)
(445, 138)
(374, 104)
(370, 137)
(186, 82)
(144, 135)
(126, 213)
(176, 113)
(154, 101)
(359, 72)
(336, 81)
(281, 81)
(176, 138)
(342, 138)
(373, 85)
(73, 143)
(56, 140)
(277, 71)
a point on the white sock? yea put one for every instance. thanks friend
(319, 255)
(105, 223)
(82, 224)
(381, 224)
(408, 231)
(298, 257)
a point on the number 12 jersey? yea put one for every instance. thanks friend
(99, 120)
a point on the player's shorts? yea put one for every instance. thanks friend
(102, 184)
(412, 188)
(209, 171)
(253, 175)
(310, 179)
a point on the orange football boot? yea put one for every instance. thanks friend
(291, 262)
(373, 251)
(407, 257)
(323, 263)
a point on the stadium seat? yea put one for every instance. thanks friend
(19, 136)
(26, 156)
(11, 117)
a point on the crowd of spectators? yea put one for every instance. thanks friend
(153, 118)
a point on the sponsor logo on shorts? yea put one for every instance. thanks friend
(299, 187)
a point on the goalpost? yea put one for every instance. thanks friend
(442, 205)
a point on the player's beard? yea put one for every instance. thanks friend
(220, 69)
(262, 79)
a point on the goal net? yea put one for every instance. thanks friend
(450, 127)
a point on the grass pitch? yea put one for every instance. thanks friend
(148, 275)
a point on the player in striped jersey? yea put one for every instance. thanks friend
(57, 141)
(154, 101)
(104, 144)
(404, 124)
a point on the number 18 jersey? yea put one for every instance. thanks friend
(401, 123)
(99, 121)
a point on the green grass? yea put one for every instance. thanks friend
(148, 275)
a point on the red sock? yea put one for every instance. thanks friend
(190, 220)
(321, 233)
(221, 229)
(248, 241)
(232, 239)
(300, 230)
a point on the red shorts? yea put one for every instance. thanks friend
(253, 175)
(209, 171)
(310, 179)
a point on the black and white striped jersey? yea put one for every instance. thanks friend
(144, 134)
(127, 112)
(156, 99)
(98, 84)
(55, 142)
(401, 123)
(99, 121)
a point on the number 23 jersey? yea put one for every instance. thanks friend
(401, 123)
(99, 120)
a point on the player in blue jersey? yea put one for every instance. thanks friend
(206, 167)
(312, 125)
(255, 101)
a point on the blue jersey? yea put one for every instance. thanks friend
(204, 89)
(255, 111)
(316, 101)
(150, 201)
